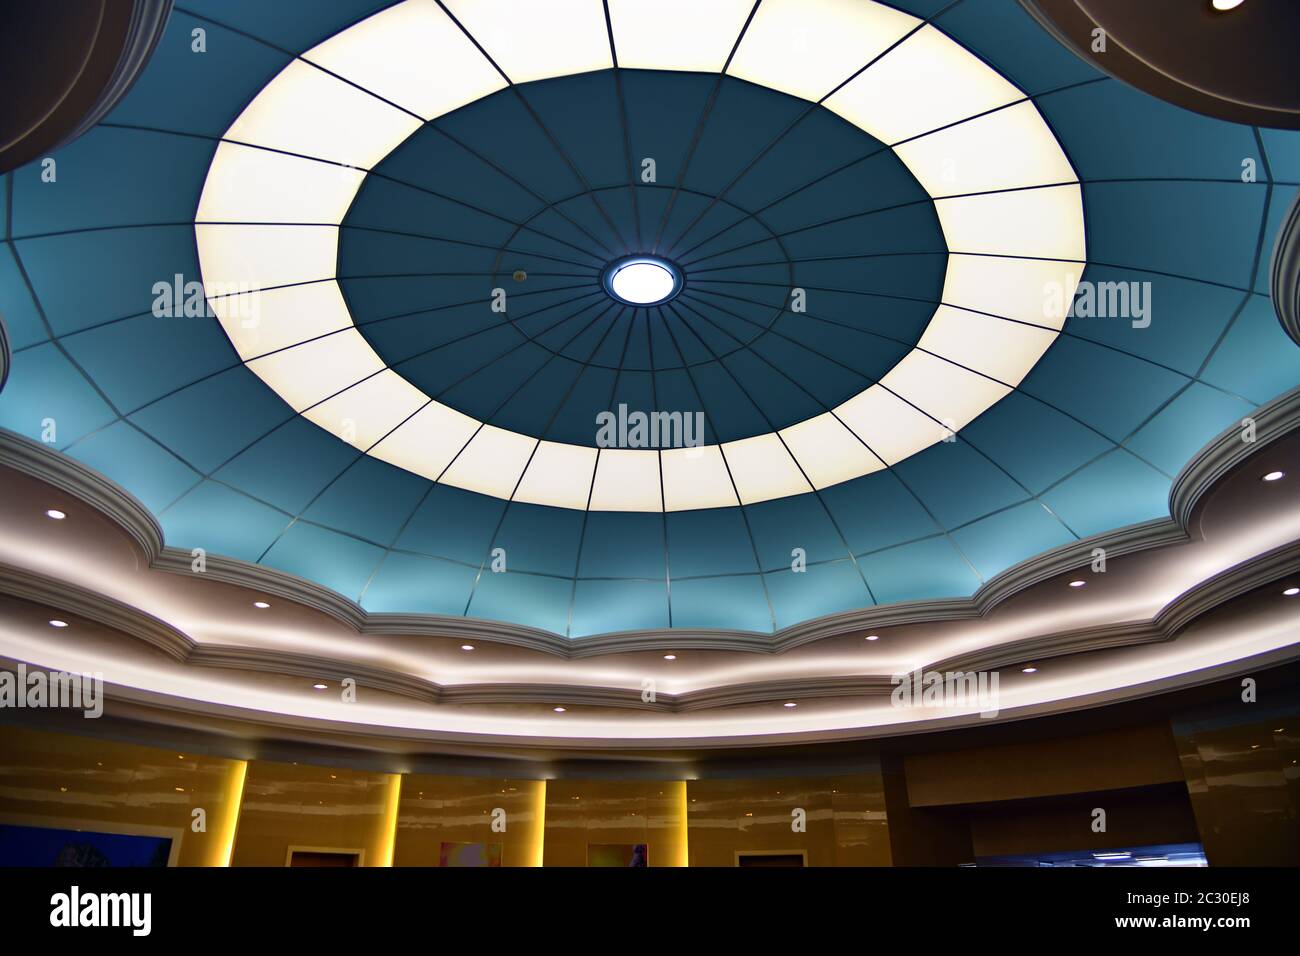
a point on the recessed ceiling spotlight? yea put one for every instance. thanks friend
(1223, 6)
(467, 647)
(873, 637)
(57, 623)
(261, 605)
(1029, 670)
(320, 686)
(1078, 584)
(1275, 476)
(558, 710)
(1291, 592)
(56, 514)
(790, 703)
(670, 657)
(642, 280)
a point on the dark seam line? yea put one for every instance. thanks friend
(735, 490)
(699, 130)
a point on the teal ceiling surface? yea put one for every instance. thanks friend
(1088, 442)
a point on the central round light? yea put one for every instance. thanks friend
(643, 280)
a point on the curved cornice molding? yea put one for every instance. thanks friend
(6, 355)
(1274, 420)
(147, 25)
(1285, 272)
(1166, 625)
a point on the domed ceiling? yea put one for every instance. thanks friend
(411, 383)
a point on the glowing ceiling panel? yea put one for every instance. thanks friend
(807, 48)
(676, 34)
(1007, 200)
(533, 41)
(405, 54)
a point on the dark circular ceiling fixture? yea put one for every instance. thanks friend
(1235, 62)
(73, 62)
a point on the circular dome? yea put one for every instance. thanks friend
(879, 231)
(1016, 203)
(418, 274)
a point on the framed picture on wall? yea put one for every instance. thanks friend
(469, 854)
(57, 846)
(618, 854)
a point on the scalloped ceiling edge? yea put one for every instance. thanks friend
(1178, 614)
(1273, 420)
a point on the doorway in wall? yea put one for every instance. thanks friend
(779, 858)
(311, 856)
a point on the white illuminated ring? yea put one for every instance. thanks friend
(1007, 198)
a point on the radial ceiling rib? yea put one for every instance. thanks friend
(316, 497)
(787, 14)
(663, 503)
(413, 26)
(627, 132)
(680, 178)
(546, 39)
(591, 484)
(1254, 269)
(474, 481)
(884, 461)
(526, 225)
(928, 200)
(445, 469)
(492, 542)
(812, 487)
(881, 150)
(547, 205)
(951, 361)
(266, 434)
(749, 531)
(1063, 332)
(939, 528)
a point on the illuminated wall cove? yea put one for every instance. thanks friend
(62, 795)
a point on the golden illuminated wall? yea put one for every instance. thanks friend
(1244, 783)
(1243, 780)
(1138, 756)
(584, 812)
(436, 810)
(62, 781)
(843, 817)
(320, 808)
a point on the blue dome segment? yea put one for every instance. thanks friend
(461, 208)
(164, 96)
